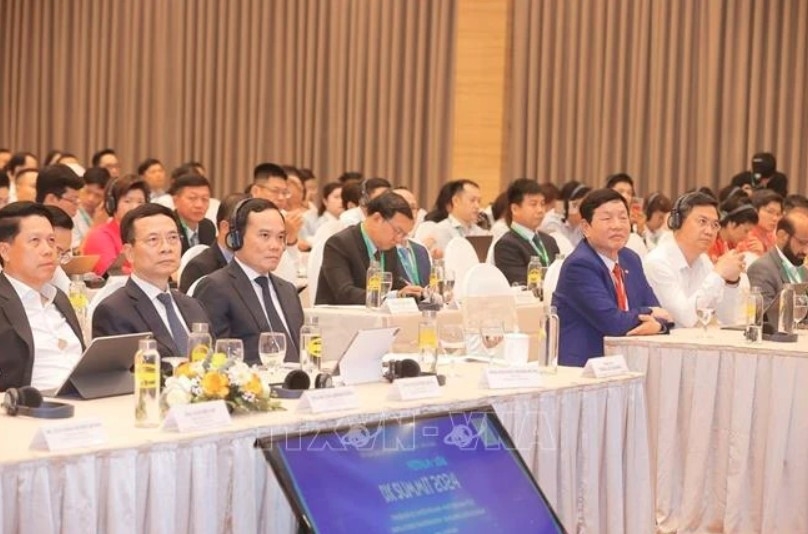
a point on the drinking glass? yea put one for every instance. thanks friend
(387, 284)
(175, 362)
(271, 350)
(448, 286)
(704, 312)
(491, 334)
(800, 308)
(452, 340)
(233, 349)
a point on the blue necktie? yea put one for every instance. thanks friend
(175, 324)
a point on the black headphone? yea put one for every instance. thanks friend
(569, 199)
(675, 219)
(739, 209)
(298, 381)
(110, 202)
(234, 239)
(364, 198)
(27, 400)
(408, 368)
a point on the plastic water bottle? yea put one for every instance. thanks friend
(534, 278)
(753, 315)
(785, 323)
(373, 287)
(78, 299)
(311, 345)
(199, 342)
(428, 340)
(147, 384)
(548, 347)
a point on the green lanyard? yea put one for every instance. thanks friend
(406, 255)
(792, 272)
(540, 250)
(370, 246)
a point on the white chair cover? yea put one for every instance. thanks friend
(489, 257)
(190, 254)
(551, 280)
(564, 245)
(325, 231)
(425, 230)
(287, 268)
(112, 285)
(313, 268)
(192, 289)
(636, 244)
(459, 257)
(484, 280)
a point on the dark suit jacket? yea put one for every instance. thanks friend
(205, 263)
(512, 254)
(206, 231)
(586, 300)
(343, 274)
(17, 344)
(235, 311)
(129, 311)
(767, 272)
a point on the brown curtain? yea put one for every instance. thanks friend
(676, 93)
(333, 85)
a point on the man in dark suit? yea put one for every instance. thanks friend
(244, 298)
(783, 264)
(347, 254)
(191, 195)
(602, 290)
(218, 254)
(40, 335)
(512, 251)
(146, 304)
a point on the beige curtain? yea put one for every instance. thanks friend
(333, 85)
(676, 93)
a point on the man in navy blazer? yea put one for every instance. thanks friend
(602, 290)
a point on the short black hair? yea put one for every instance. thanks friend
(550, 191)
(306, 175)
(251, 205)
(372, 184)
(657, 202)
(97, 176)
(688, 201)
(265, 171)
(119, 187)
(145, 164)
(17, 160)
(763, 197)
(516, 193)
(66, 155)
(349, 176)
(60, 218)
(22, 172)
(737, 209)
(327, 190)
(440, 210)
(227, 206)
(12, 214)
(388, 204)
(182, 170)
(188, 180)
(56, 180)
(499, 207)
(149, 209)
(291, 170)
(52, 157)
(4, 181)
(619, 178)
(792, 201)
(96, 159)
(351, 193)
(598, 197)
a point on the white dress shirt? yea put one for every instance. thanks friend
(152, 291)
(352, 216)
(677, 284)
(553, 223)
(252, 275)
(57, 349)
(452, 227)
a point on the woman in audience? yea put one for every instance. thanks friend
(153, 173)
(737, 218)
(120, 196)
(769, 206)
(573, 193)
(330, 205)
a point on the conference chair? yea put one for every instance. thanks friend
(564, 245)
(190, 254)
(112, 285)
(459, 256)
(485, 280)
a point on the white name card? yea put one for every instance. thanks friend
(512, 377)
(86, 432)
(400, 306)
(197, 416)
(605, 367)
(418, 387)
(329, 400)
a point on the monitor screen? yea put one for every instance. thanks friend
(449, 472)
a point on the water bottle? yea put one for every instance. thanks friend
(534, 278)
(199, 342)
(428, 340)
(373, 291)
(753, 315)
(147, 384)
(548, 347)
(785, 322)
(311, 345)
(437, 277)
(78, 299)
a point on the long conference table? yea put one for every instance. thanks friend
(728, 425)
(585, 441)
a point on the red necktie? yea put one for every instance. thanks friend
(622, 300)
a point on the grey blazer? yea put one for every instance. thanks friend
(768, 273)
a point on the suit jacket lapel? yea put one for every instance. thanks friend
(364, 253)
(144, 306)
(66, 309)
(244, 288)
(15, 313)
(283, 296)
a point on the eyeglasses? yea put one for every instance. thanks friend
(400, 234)
(154, 240)
(712, 224)
(283, 193)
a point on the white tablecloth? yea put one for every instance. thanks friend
(585, 441)
(728, 427)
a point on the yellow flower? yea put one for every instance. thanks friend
(217, 360)
(184, 369)
(215, 385)
(254, 386)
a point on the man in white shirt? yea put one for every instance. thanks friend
(463, 208)
(682, 275)
(40, 335)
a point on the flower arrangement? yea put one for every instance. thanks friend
(217, 378)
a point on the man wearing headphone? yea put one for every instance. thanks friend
(680, 271)
(244, 298)
(152, 246)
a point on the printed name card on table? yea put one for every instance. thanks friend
(329, 400)
(85, 432)
(605, 367)
(512, 377)
(401, 306)
(197, 416)
(418, 387)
